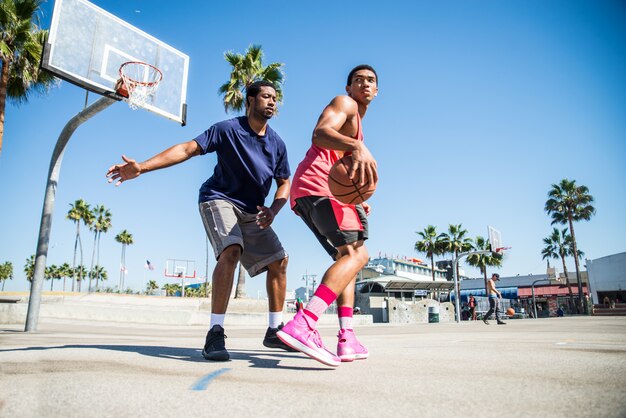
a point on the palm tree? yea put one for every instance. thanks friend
(21, 44)
(100, 222)
(80, 272)
(151, 286)
(53, 273)
(79, 211)
(171, 289)
(483, 261)
(97, 273)
(6, 272)
(559, 245)
(124, 238)
(65, 271)
(430, 244)
(247, 69)
(568, 203)
(455, 242)
(29, 268)
(240, 290)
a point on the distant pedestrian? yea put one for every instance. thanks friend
(494, 297)
(472, 307)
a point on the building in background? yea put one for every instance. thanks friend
(607, 278)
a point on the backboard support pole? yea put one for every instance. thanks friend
(34, 301)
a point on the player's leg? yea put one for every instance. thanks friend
(492, 305)
(348, 346)
(321, 216)
(220, 222)
(264, 252)
(499, 321)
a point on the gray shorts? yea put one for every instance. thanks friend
(226, 224)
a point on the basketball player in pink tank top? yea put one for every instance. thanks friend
(340, 228)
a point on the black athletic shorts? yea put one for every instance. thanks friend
(318, 214)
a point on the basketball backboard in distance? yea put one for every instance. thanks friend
(87, 45)
(495, 239)
(180, 269)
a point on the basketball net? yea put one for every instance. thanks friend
(501, 250)
(138, 81)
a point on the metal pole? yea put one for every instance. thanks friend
(457, 286)
(457, 289)
(34, 301)
(534, 303)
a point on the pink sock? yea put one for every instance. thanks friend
(345, 317)
(322, 298)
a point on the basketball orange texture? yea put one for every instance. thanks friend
(510, 312)
(347, 190)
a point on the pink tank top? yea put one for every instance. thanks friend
(311, 177)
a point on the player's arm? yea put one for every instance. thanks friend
(327, 135)
(171, 156)
(265, 216)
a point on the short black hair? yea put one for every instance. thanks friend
(361, 67)
(254, 88)
(496, 275)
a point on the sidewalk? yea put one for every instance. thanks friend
(141, 309)
(558, 367)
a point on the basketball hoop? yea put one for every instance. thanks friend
(138, 81)
(501, 250)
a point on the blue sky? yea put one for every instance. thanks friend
(482, 106)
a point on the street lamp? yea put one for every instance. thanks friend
(455, 261)
(306, 284)
(533, 292)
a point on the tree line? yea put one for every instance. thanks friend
(567, 203)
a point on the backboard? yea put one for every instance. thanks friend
(495, 239)
(180, 268)
(87, 45)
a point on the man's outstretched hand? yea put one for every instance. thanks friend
(122, 172)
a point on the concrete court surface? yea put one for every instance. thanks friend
(558, 367)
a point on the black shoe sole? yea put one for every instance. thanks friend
(280, 345)
(221, 355)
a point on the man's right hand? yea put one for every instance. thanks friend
(122, 172)
(363, 165)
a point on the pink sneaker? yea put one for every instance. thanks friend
(349, 348)
(299, 335)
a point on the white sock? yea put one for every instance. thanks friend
(217, 319)
(345, 322)
(275, 319)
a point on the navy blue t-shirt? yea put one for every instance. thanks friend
(246, 163)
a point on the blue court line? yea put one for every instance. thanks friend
(204, 381)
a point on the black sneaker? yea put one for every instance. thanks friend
(501, 322)
(485, 321)
(271, 340)
(215, 347)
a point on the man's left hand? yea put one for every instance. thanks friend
(264, 217)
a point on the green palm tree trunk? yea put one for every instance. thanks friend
(93, 256)
(75, 251)
(569, 286)
(4, 81)
(582, 302)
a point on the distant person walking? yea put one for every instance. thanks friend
(250, 155)
(472, 307)
(494, 298)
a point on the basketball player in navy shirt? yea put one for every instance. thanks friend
(250, 155)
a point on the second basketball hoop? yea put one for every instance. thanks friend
(138, 81)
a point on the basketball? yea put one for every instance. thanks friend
(345, 189)
(510, 312)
